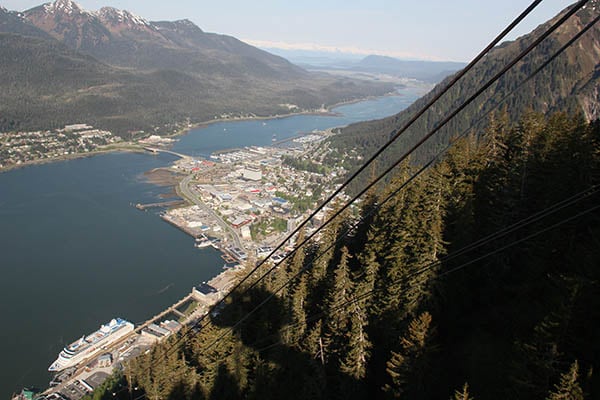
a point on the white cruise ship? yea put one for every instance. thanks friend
(87, 346)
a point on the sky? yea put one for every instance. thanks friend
(450, 30)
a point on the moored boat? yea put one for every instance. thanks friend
(91, 344)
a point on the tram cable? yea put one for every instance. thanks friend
(574, 9)
(489, 83)
(406, 279)
(365, 165)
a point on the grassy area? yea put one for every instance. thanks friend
(190, 308)
(267, 226)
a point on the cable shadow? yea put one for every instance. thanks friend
(287, 371)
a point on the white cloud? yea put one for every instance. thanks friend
(339, 49)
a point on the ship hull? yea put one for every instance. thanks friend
(91, 345)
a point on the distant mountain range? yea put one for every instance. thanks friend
(427, 71)
(118, 71)
(571, 83)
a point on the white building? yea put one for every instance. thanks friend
(245, 231)
(252, 174)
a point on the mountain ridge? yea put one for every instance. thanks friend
(570, 83)
(430, 71)
(136, 75)
(121, 38)
(15, 22)
(476, 277)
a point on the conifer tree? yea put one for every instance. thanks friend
(298, 317)
(315, 376)
(161, 372)
(296, 263)
(327, 246)
(337, 319)
(463, 394)
(568, 388)
(368, 268)
(427, 245)
(354, 363)
(539, 356)
(310, 342)
(406, 368)
(498, 126)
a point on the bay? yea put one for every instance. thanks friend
(227, 135)
(75, 252)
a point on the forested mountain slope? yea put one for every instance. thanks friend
(570, 83)
(478, 279)
(120, 38)
(119, 72)
(397, 309)
(427, 71)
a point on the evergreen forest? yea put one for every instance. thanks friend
(477, 279)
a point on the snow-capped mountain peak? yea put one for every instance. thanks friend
(115, 16)
(68, 7)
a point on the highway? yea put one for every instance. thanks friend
(186, 192)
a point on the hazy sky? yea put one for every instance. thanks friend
(426, 29)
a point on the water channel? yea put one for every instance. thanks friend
(75, 252)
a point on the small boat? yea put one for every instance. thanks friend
(202, 242)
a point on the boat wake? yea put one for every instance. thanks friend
(169, 286)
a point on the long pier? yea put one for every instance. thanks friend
(157, 150)
(81, 366)
(171, 203)
(164, 313)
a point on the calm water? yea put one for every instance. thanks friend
(75, 253)
(225, 135)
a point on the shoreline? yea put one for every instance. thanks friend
(184, 131)
(70, 157)
(134, 147)
(325, 113)
(206, 124)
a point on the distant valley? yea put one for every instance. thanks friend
(569, 84)
(375, 65)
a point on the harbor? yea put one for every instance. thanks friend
(138, 263)
(81, 379)
(245, 190)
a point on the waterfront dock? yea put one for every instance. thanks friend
(163, 204)
(156, 150)
(88, 374)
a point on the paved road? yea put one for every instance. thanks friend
(188, 193)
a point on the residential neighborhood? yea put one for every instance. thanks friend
(24, 147)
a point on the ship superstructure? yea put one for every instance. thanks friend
(93, 343)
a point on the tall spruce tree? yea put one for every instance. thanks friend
(337, 318)
(354, 363)
(463, 394)
(408, 366)
(568, 388)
